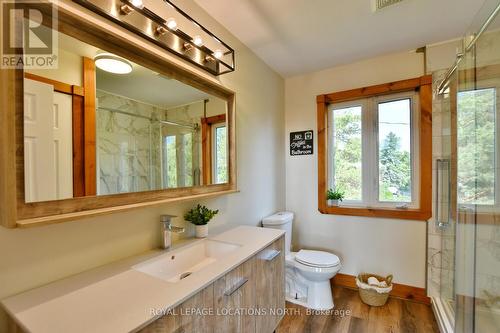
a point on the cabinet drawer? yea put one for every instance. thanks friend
(234, 295)
(270, 286)
(183, 319)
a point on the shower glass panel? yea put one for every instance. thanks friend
(442, 268)
(477, 278)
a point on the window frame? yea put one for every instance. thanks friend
(214, 129)
(422, 148)
(207, 134)
(370, 158)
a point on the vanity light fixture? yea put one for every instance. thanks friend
(197, 40)
(161, 30)
(127, 9)
(218, 54)
(170, 32)
(113, 64)
(171, 24)
(137, 3)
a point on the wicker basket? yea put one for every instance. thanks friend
(370, 295)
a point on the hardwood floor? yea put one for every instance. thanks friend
(351, 315)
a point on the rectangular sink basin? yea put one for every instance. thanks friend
(176, 265)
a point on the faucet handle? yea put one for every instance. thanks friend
(166, 218)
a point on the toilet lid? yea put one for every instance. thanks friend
(317, 258)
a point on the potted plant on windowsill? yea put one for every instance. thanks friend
(200, 216)
(334, 196)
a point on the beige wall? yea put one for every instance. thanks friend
(69, 69)
(364, 244)
(30, 258)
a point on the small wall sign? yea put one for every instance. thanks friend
(301, 143)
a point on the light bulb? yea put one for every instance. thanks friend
(218, 54)
(171, 24)
(197, 40)
(137, 3)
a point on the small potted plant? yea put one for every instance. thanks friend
(200, 216)
(334, 196)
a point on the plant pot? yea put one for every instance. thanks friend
(201, 231)
(332, 202)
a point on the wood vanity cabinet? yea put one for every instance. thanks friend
(250, 298)
(183, 319)
(270, 285)
(234, 295)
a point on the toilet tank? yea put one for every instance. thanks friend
(283, 221)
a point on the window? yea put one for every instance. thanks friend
(214, 149)
(220, 153)
(372, 150)
(170, 162)
(374, 144)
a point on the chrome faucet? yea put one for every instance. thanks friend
(166, 230)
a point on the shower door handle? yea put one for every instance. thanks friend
(443, 193)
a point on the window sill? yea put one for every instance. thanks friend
(392, 213)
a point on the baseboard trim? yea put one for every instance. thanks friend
(402, 291)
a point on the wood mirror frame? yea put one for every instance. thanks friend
(15, 212)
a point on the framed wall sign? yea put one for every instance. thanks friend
(301, 143)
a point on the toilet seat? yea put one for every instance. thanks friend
(320, 259)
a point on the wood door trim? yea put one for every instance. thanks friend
(424, 86)
(59, 86)
(402, 291)
(89, 126)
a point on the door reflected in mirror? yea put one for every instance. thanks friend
(100, 124)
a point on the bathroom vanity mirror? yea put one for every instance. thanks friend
(113, 126)
(151, 132)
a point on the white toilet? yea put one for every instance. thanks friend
(308, 272)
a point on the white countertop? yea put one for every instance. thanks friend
(116, 298)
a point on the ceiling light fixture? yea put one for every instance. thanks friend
(212, 54)
(112, 63)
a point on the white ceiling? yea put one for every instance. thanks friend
(300, 36)
(147, 86)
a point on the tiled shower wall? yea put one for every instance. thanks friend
(129, 148)
(125, 157)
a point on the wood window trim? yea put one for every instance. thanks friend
(424, 86)
(206, 144)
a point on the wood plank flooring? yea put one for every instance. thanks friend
(353, 316)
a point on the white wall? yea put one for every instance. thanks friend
(364, 244)
(30, 258)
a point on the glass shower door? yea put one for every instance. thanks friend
(477, 276)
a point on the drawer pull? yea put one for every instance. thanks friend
(271, 255)
(236, 287)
